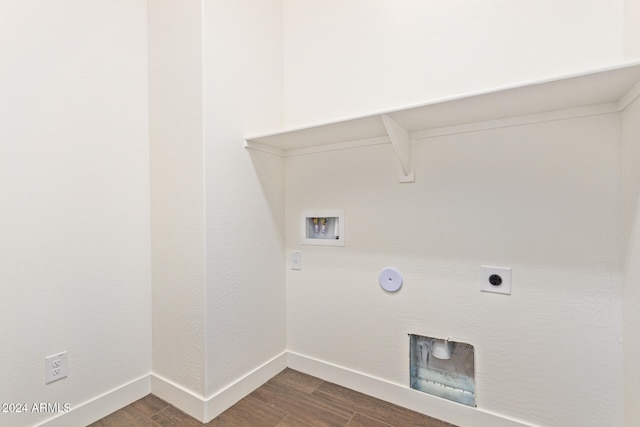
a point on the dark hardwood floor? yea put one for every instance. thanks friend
(290, 399)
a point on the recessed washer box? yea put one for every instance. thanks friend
(323, 227)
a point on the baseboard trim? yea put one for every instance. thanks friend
(205, 409)
(228, 396)
(103, 405)
(445, 410)
(180, 397)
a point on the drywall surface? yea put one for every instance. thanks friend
(244, 191)
(543, 199)
(630, 171)
(350, 58)
(631, 329)
(74, 252)
(217, 211)
(177, 192)
(632, 29)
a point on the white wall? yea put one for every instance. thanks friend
(74, 252)
(346, 58)
(631, 190)
(218, 212)
(632, 29)
(244, 192)
(74, 161)
(177, 192)
(519, 197)
(543, 199)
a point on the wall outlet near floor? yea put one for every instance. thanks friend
(55, 367)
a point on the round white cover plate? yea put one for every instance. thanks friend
(390, 279)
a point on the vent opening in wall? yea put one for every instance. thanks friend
(323, 228)
(443, 368)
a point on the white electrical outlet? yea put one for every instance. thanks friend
(296, 260)
(55, 367)
(496, 280)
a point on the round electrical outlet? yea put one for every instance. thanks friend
(495, 280)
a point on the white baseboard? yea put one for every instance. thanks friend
(445, 410)
(101, 406)
(180, 397)
(225, 398)
(206, 409)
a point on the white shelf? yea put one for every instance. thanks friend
(611, 88)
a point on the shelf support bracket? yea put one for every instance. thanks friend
(403, 147)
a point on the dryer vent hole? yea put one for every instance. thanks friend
(452, 378)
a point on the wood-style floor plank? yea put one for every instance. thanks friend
(301, 381)
(172, 416)
(249, 412)
(150, 405)
(374, 408)
(127, 416)
(360, 420)
(290, 399)
(309, 409)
